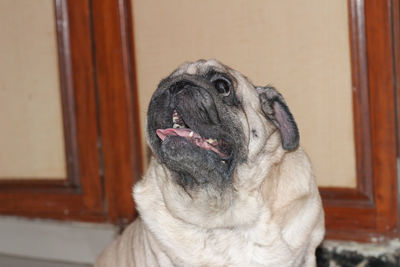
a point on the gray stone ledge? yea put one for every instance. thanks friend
(352, 254)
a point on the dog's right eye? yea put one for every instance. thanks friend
(223, 86)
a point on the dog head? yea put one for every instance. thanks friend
(215, 132)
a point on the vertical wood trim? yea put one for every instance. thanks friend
(67, 91)
(382, 104)
(361, 111)
(119, 126)
(128, 51)
(396, 51)
(85, 103)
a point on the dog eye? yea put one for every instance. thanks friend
(223, 86)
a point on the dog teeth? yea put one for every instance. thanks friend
(177, 120)
(211, 141)
(191, 134)
(177, 126)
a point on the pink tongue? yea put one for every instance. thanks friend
(193, 137)
(184, 132)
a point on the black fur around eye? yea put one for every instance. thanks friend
(223, 86)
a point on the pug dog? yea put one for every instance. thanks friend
(228, 183)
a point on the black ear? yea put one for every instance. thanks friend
(275, 109)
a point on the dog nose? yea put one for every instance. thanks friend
(179, 86)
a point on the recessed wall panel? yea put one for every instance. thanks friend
(31, 125)
(300, 47)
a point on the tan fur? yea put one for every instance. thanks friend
(271, 217)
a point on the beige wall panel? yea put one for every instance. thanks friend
(301, 47)
(31, 130)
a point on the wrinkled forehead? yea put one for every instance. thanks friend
(201, 67)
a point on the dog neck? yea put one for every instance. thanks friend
(197, 240)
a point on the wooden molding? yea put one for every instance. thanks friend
(119, 122)
(80, 195)
(396, 44)
(369, 212)
(67, 91)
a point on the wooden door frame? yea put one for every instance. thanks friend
(369, 212)
(100, 118)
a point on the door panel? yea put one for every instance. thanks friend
(93, 187)
(31, 135)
